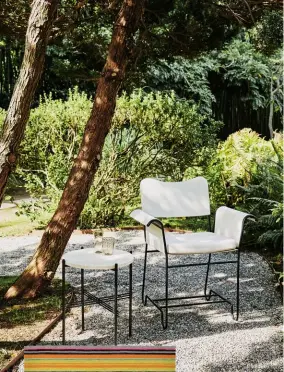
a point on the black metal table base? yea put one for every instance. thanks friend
(91, 299)
(88, 298)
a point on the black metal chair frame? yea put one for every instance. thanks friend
(207, 296)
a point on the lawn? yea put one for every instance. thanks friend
(22, 320)
(16, 226)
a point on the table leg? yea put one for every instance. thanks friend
(130, 299)
(82, 299)
(115, 302)
(63, 302)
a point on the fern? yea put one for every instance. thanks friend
(269, 220)
(274, 237)
(264, 199)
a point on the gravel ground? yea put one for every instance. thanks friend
(206, 337)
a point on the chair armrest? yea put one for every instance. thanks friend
(154, 230)
(230, 223)
(144, 218)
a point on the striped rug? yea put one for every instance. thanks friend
(87, 358)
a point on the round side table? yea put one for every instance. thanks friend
(87, 259)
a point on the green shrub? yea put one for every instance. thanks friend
(246, 172)
(153, 135)
(51, 141)
(236, 162)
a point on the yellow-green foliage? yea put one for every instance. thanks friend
(236, 162)
(51, 140)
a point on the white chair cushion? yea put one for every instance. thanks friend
(200, 242)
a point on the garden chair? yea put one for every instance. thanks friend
(187, 199)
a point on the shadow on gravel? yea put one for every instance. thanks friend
(206, 337)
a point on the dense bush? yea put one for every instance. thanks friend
(236, 162)
(51, 141)
(246, 172)
(153, 135)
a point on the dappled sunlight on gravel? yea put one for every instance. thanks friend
(206, 337)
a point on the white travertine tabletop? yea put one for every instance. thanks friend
(89, 259)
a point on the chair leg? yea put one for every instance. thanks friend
(144, 299)
(238, 284)
(165, 324)
(206, 279)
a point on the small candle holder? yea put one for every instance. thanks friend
(98, 240)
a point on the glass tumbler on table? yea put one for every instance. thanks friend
(108, 245)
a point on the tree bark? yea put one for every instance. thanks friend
(45, 261)
(40, 22)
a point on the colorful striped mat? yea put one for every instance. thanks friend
(87, 358)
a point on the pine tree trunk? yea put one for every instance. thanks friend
(40, 22)
(45, 261)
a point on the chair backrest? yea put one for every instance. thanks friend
(175, 199)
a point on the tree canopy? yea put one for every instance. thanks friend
(82, 32)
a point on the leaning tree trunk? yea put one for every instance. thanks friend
(44, 263)
(41, 19)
